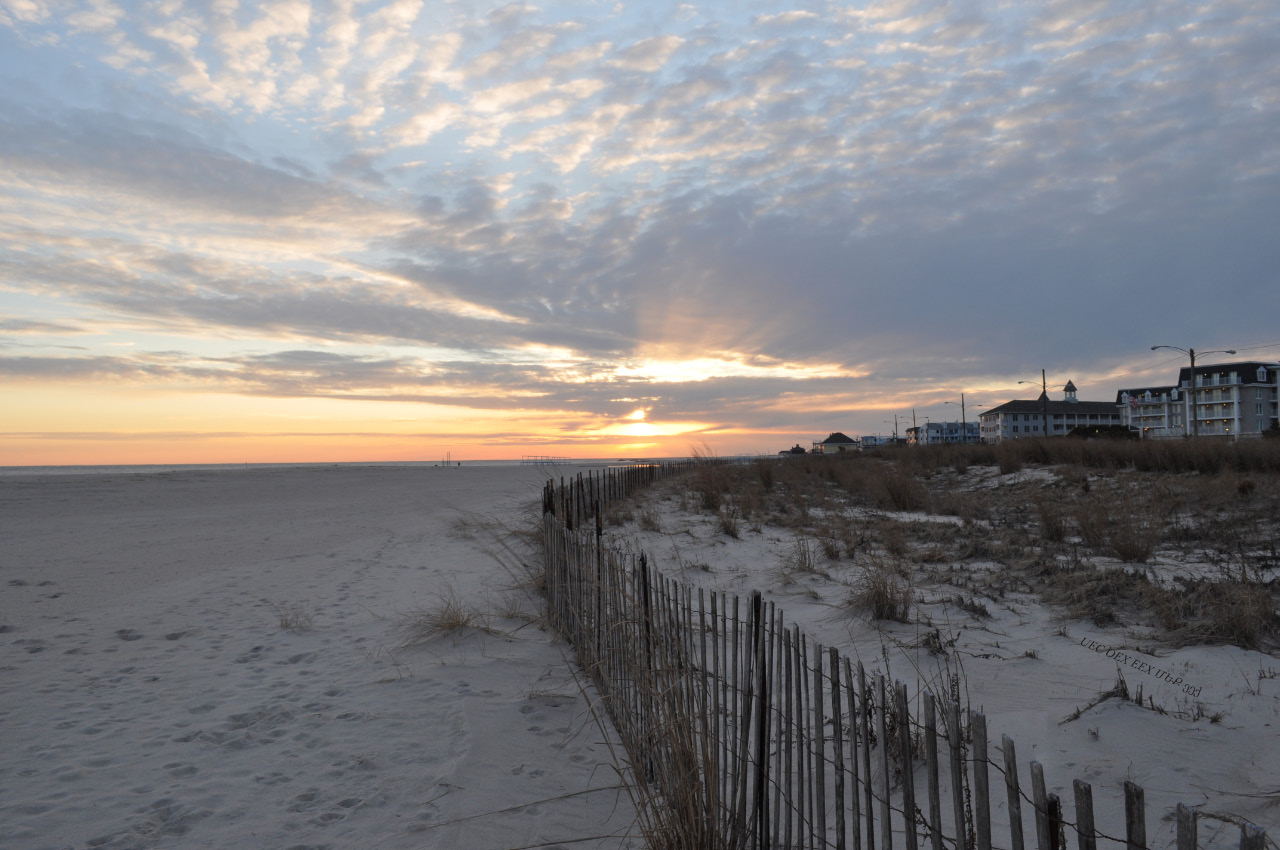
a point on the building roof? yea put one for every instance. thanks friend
(1246, 370)
(1054, 407)
(1156, 392)
(837, 438)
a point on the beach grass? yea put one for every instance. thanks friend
(1179, 535)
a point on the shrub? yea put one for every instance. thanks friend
(1053, 527)
(882, 593)
(1008, 458)
(902, 492)
(728, 521)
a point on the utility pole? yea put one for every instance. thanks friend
(1044, 400)
(964, 423)
(1191, 352)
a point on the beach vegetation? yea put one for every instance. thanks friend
(293, 616)
(883, 590)
(449, 614)
(1178, 536)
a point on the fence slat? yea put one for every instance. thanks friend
(781, 778)
(981, 786)
(908, 769)
(1135, 817)
(931, 770)
(955, 737)
(882, 713)
(1015, 799)
(854, 796)
(819, 749)
(1041, 806)
(837, 743)
(868, 793)
(1085, 835)
(1056, 838)
(1187, 828)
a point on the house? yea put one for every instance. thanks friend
(1230, 399)
(835, 443)
(1043, 417)
(933, 433)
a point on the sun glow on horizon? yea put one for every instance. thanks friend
(663, 370)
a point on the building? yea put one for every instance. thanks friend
(1043, 417)
(934, 433)
(1230, 399)
(835, 443)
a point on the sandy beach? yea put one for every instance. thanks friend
(220, 659)
(155, 694)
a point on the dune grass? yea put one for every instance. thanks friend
(1177, 534)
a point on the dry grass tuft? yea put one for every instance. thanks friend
(803, 557)
(882, 591)
(728, 521)
(294, 616)
(448, 616)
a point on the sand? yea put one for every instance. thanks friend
(152, 698)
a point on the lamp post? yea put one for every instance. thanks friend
(1191, 352)
(1044, 399)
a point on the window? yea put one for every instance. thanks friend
(1015, 429)
(1257, 393)
(1262, 374)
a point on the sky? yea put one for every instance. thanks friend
(338, 231)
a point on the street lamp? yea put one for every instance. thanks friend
(1191, 352)
(1044, 399)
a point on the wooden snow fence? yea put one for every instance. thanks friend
(748, 734)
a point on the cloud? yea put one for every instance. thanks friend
(648, 55)
(910, 193)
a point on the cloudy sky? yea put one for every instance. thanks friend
(339, 230)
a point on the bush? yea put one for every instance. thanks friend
(1008, 458)
(882, 593)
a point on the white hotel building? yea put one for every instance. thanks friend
(1228, 399)
(1042, 417)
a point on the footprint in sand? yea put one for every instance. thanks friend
(304, 802)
